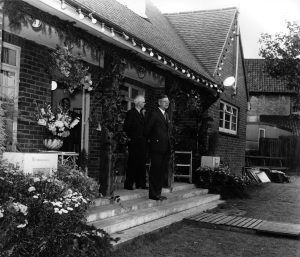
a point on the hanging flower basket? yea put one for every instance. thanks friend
(68, 70)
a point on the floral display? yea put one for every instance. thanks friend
(69, 70)
(44, 215)
(58, 123)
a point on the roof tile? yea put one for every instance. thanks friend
(156, 31)
(204, 32)
(258, 80)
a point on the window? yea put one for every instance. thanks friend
(9, 89)
(261, 133)
(129, 92)
(228, 118)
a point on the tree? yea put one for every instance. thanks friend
(282, 54)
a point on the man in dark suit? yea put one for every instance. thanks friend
(134, 126)
(157, 130)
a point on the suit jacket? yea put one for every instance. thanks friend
(157, 130)
(134, 125)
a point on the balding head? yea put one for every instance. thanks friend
(139, 102)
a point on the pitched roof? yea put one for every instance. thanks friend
(204, 32)
(260, 81)
(156, 31)
(290, 122)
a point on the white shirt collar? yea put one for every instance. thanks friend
(162, 111)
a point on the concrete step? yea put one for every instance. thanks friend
(153, 226)
(126, 195)
(131, 219)
(110, 210)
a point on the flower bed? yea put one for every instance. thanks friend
(45, 216)
(222, 181)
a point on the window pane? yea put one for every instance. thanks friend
(234, 111)
(234, 119)
(7, 93)
(221, 123)
(227, 117)
(227, 124)
(261, 133)
(233, 126)
(9, 56)
(7, 84)
(124, 91)
(134, 93)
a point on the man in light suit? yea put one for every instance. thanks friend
(134, 126)
(157, 130)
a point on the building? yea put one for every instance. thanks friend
(274, 109)
(191, 50)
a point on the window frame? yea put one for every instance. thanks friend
(225, 112)
(129, 98)
(16, 70)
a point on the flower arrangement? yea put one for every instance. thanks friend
(44, 216)
(58, 123)
(69, 70)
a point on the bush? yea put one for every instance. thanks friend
(222, 181)
(44, 216)
(77, 180)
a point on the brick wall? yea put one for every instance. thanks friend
(231, 148)
(34, 86)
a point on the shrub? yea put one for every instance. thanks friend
(44, 216)
(222, 181)
(78, 180)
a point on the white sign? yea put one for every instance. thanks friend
(32, 163)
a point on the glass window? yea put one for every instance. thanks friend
(9, 56)
(129, 92)
(228, 118)
(9, 91)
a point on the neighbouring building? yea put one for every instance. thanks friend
(192, 50)
(274, 108)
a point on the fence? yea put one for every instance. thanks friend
(285, 146)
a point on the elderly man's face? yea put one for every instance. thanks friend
(141, 103)
(164, 103)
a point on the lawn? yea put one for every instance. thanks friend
(186, 240)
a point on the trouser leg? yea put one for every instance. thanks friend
(156, 174)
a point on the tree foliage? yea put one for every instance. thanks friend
(282, 54)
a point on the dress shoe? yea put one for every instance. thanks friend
(156, 198)
(163, 198)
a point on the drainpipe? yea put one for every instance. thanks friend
(237, 53)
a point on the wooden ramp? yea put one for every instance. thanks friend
(238, 223)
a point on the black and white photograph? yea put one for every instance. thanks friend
(153, 128)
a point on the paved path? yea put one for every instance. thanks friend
(272, 201)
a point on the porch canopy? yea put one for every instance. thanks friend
(153, 38)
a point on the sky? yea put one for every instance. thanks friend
(255, 16)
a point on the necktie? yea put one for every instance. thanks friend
(166, 116)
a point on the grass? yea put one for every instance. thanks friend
(277, 202)
(186, 240)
